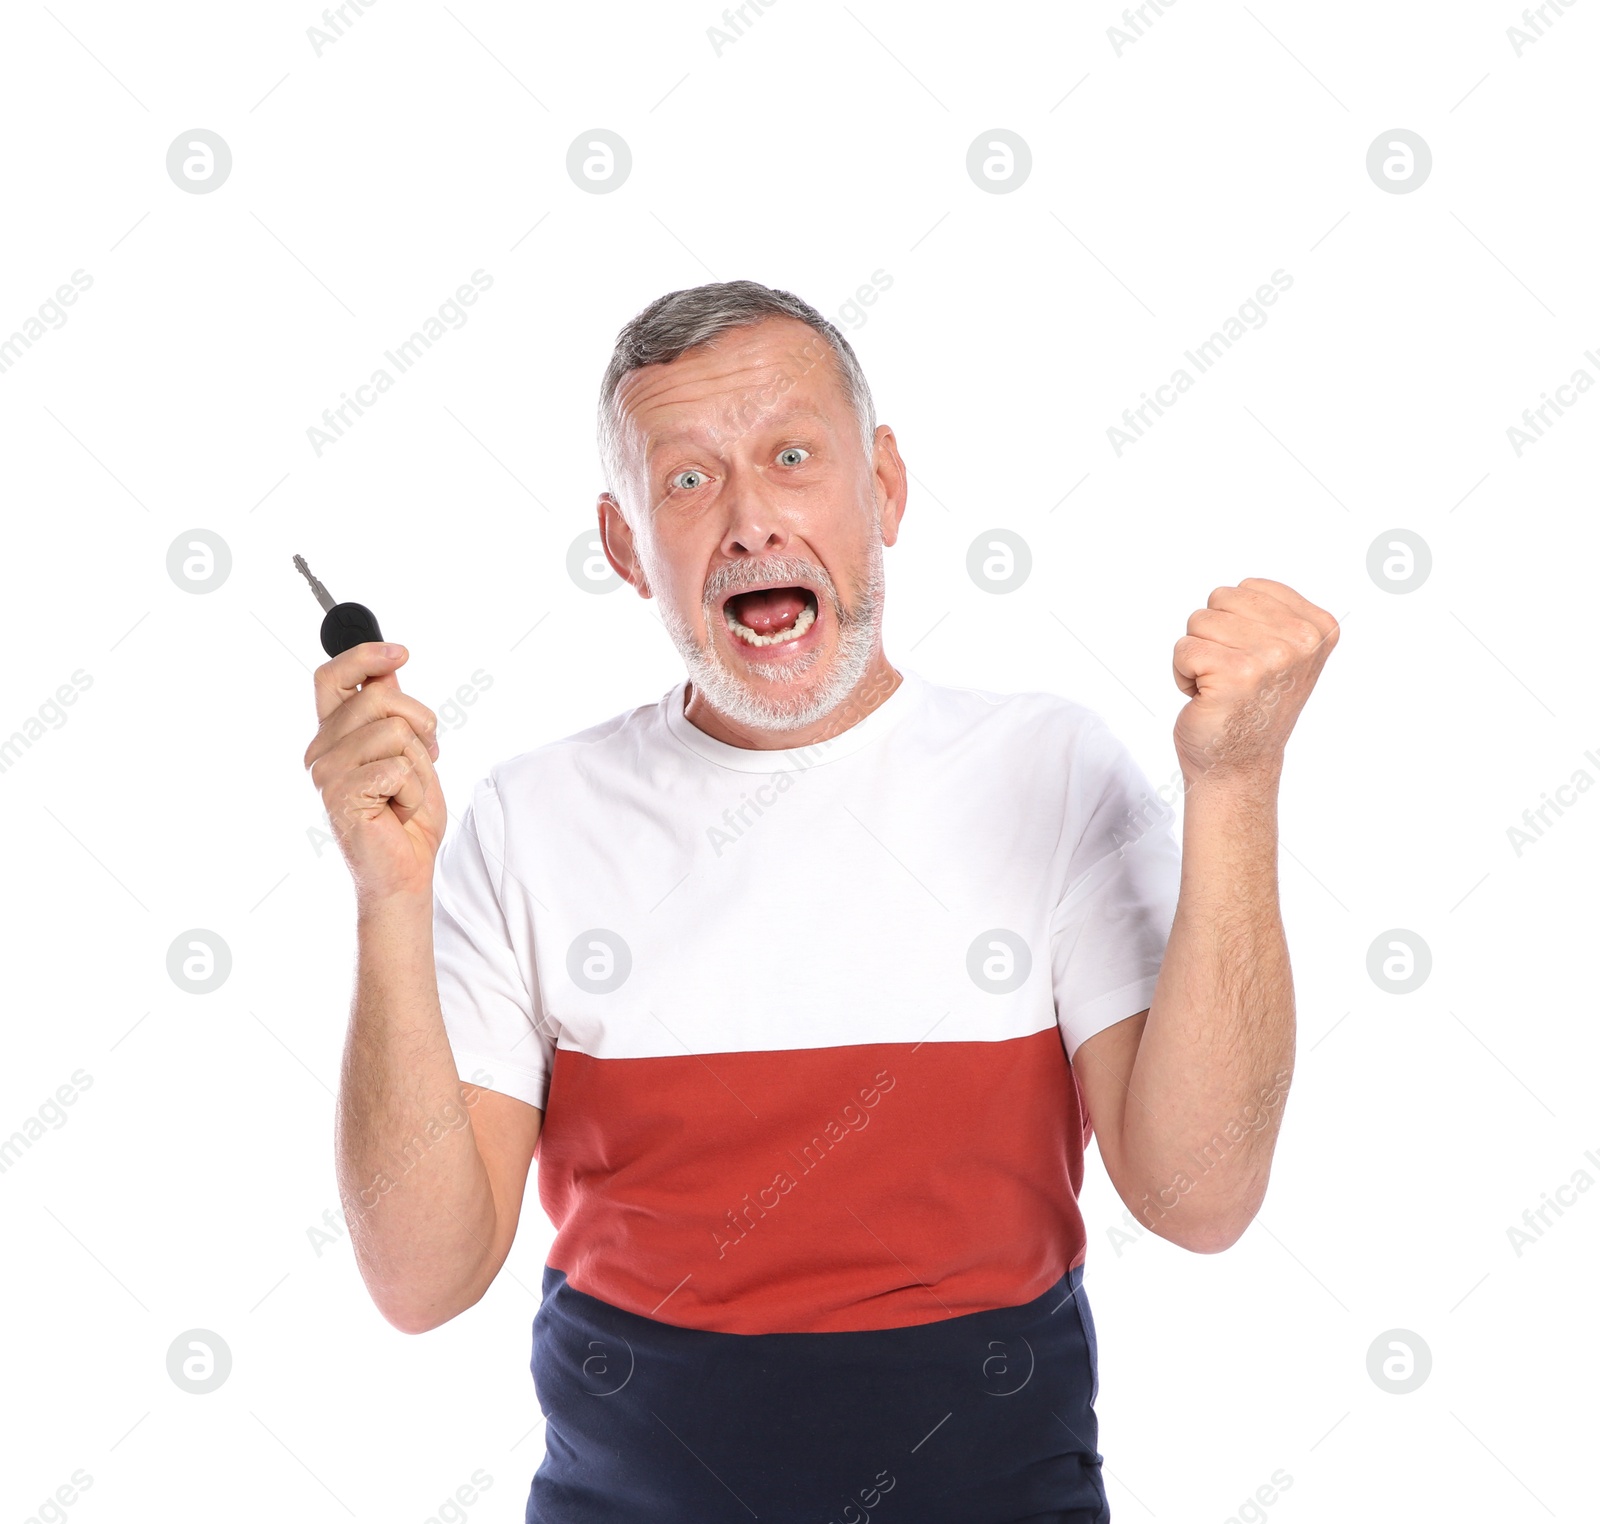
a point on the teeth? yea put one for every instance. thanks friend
(803, 622)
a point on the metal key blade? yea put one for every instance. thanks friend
(323, 596)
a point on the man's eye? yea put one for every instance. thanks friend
(688, 480)
(784, 455)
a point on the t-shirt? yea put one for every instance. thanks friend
(800, 1022)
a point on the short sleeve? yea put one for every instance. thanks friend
(490, 1017)
(1108, 933)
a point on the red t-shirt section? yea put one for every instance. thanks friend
(816, 1190)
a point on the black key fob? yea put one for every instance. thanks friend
(346, 625)
(343, 624)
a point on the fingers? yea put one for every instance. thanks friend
(1323, 624)
(1194, 658)
(390, 782)
(355, 757)
(375, 746)
(1225, 627)
(1293, 620)
(1259, 628)
(377, 701)
(1254, 650)
(379, 698)
(338, 679)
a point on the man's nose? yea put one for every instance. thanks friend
(755, 523)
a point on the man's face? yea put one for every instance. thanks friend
(756, 520)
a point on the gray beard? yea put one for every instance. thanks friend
(729, 692)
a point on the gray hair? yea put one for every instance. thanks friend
(683, 320)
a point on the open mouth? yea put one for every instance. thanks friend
(770, 616)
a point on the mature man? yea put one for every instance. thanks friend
(807, 983)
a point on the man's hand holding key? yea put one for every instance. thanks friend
(372, 760)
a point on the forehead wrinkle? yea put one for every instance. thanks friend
(669, 436)
(641, 390)
(747, 365)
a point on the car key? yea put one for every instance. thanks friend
(343, 624)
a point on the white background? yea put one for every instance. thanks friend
(827, 143)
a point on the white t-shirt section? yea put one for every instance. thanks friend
(958, 866)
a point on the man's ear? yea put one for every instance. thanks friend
(617, 543)
(889, 472)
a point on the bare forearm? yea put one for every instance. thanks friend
(415, 1190)
(1217, 1051)
(1190, 1100)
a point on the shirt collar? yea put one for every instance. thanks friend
(747, 759)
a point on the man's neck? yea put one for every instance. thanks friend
(877, 683)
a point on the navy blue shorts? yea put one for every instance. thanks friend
(985, 1418)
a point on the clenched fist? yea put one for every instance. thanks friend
(372, 759)
(1248, 664)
